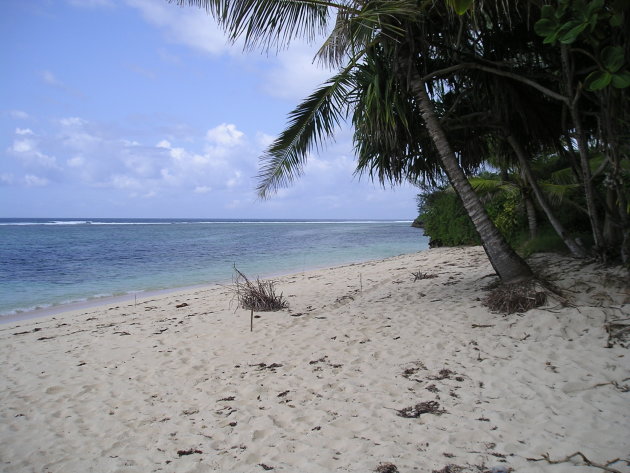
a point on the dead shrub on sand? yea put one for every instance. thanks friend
(386, 468)
(259, 295)
(517, 297)
(418, 275)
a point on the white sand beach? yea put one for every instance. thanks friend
(178, 383)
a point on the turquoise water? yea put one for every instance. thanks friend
(45, 262)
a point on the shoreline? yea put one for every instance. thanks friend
(366, 367)
(187, 255)
(96, 302)
(104, 301)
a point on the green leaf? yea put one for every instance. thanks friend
(571, 35)
(592, 23)
(621, 80)
(579, 8)
(612, 58)
(616, 20)
(597, 80)
(460, 6)
(551, 39)
(547, 12)
(594, 6)
(545, 27)
(562, 7)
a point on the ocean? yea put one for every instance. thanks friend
(48, 263)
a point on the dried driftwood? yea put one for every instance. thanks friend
(605, 467)
(259, 295)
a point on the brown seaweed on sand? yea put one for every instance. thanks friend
(386, 468)
(427, 407)
(190, 451)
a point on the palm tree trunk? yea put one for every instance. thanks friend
(587, 179)
(508, 265)
(575, 249)
(530, 210)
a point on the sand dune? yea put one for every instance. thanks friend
(321, 387)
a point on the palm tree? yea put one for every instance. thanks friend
(409, 38)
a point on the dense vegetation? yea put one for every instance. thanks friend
(437, 89)
(511, 209)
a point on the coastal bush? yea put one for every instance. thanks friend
(446, 222)
(444, 219)
(546, 241)
(507, 213)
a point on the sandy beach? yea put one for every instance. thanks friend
(367, 367)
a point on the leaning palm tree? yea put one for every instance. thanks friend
(407, 37)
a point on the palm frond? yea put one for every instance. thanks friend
(269, 23)
(390, 141)
(355, 29)
(558, 193)
(492, 186)
(311, 123)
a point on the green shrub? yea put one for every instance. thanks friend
(507, 213)
(445, 220)
(546, 241)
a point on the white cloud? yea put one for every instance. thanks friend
(297, 65)
(22, 146)
(235, 204)
(340, 164)
(76, 162)
(142, 71)
(75, 135)
(168, 57)
(34, 181)
(225, 135)
(189, 26)
(72, 122)
(18, 114)
(91, 3)
(26, 149)
(122, 181)
(264, 140)
(6, 178)
(292, 74)
(202, 189)
(234, 181)
(50, 79)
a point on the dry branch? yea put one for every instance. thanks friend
(259, 295)
(606, 467)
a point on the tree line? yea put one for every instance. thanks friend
(438, 89)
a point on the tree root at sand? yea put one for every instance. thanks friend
(605, 467)
(517, 297)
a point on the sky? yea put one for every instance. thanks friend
(142, 109)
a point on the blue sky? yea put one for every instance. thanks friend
(140, 108)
